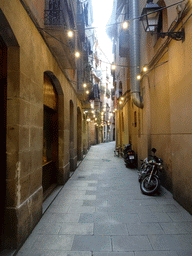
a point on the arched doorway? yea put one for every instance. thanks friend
(79, 135)
(121, 128)
(3, 82)
(50, 136)
(113, 133)
(71, 137)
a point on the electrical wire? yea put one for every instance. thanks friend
(138, 18)
(93, 58)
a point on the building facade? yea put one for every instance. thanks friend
(99, 113)
(44, 132)
(156, 104)
(102, 73)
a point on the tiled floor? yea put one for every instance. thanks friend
(101, 212)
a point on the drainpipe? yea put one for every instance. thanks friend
(134, 43)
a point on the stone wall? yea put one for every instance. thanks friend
(29, 58)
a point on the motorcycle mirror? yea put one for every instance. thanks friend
(153, 150)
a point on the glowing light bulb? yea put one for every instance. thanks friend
(145, 69)
(139, 77)
(70, 34)
(84, 85)
(77, 54)
(125, 24)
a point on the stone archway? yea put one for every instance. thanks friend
(53, 139)
(71, 137)
(79, 135)
(3, 81)
(50, 136)
(9, 59)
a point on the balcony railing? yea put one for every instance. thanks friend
(54, 17)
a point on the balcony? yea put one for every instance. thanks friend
(112, 94)
(58, 17)
(118, 93)
(123, 43)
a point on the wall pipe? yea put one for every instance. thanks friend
(134, 44)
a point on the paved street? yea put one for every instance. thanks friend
(101, 212)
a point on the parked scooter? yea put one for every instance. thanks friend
(149, 174)
(129, 156)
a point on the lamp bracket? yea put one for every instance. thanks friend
(178, 36)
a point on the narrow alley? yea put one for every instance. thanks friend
(100, 211)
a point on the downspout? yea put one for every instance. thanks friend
(134, 43)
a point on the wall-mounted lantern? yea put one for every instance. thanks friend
(150, 19)
(150, 16)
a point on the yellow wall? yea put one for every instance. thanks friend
(165, 122)
(166, 116)
(27, 64)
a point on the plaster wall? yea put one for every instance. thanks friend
(166, 116)
(181, 122)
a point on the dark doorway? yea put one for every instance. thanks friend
(79, 134)
(113, 133)
(71, 139)
(96, 135)
(3, 82)
(50, 137)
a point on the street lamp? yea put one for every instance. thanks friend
(150, 16)
(150, 19)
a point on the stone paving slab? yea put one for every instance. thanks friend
(95, 217)
(92, 243)
(113, 254)
(53, 242)
(177, 227)
(101, 211)
(131, 243)
(59, 217)
(171, 242)
(76, 228)
(110, 229)
(55, 253)
(156, 253)
(144, 229)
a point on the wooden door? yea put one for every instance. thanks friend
(50, 136)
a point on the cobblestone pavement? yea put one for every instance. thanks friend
(101, 212)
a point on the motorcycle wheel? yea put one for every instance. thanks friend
(149, 188)
(143, 172)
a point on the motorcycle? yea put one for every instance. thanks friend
(144, 167)
(149, 177)
(129, 156)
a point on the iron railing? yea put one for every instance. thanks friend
(54, 17)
